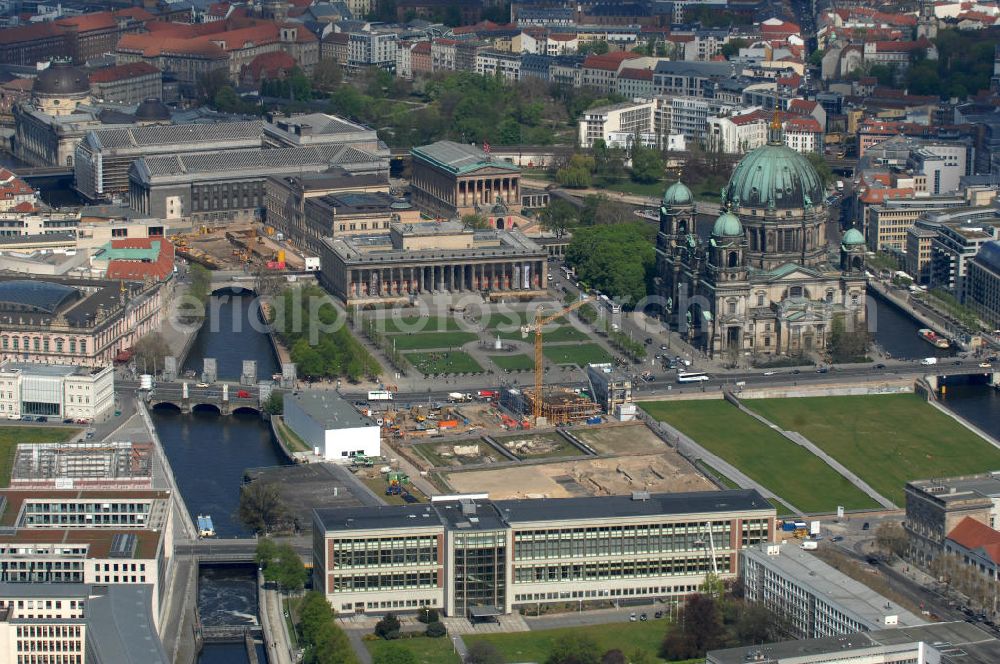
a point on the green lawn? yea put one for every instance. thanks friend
(534, 646)
(627, 186)
(11, 436)
(783, 509)
(292, 439)
(550, 334)
(578, 354)
(444, 362)
(513, 362)
(766, 456)
(423, 340)
(886, 439)
(426, 650)
(407, 324)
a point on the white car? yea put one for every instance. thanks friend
(770, 373)
(202, 385)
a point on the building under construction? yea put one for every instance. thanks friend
(559, 405)
(97, 465)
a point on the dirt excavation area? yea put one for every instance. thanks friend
(633, 438)
(666, 472)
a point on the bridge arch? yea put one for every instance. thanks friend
(234, 289)
(166, 406)
(206, 408)
(246, 410)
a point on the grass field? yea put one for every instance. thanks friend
(417, 324)
(445, 362)
(425, 649)
(578, 354)
(552, 334)
(513, 362)
(886, 439)
(766, 456)
(534, 646)
(12, 435)
(425, 340)
(729, 484)
(292, 439)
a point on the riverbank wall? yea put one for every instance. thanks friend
(901, 385)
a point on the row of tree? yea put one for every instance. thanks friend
(312, 328)
(607, 165)
(619, 260)
(324, 642)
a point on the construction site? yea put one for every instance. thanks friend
(237, 246)
(90, 465)
(559, 405)
(582, 460)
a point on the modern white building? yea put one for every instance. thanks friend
(815, 599)
(634, 117)
(331, 426)
(373, 48)
(933, 643)
(56, 391)
(493, 63)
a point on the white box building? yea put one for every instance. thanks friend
(56, 391)
(328, 423)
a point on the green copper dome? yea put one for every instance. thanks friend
(774, 177)
(677, 194)
(727, 225)
(853, 237)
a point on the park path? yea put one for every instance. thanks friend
(802, 441)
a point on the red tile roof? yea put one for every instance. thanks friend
(808, 124)
(121, 72)
(758, 115)
(973, 535)
(162, 267)
(561, 37)
(609, 61)
(270, 65)
(88, 22)
(135, 13)
(802, 106)
(880, 195)
(24, 206)
(636, 74)
(421, 47)
(25, 33)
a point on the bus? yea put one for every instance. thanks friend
(612, 306)
(380, 395)
(691, 377)
(567, 272)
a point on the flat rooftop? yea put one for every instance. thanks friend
(375, 249)
(957, 642)
(493, 514)
(330, 410)
(829, 584)
(964, 487)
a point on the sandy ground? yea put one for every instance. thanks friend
(665, 472)
(632, 439)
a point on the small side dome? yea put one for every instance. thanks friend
(152, 110)
(727, 225)
(61, 78)
(677, 194)
(853, 237)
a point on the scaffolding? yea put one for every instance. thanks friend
(91, 462)
(562, 406)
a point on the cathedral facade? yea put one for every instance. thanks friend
(765, 282)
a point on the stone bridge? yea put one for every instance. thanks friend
(223, 397)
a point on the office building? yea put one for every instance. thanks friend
(982, 284)
(331, 426)
(56, 391)
(429, 258)
(99, 537)
(373, 48)
(131, 83)
(934, 508)
(76, 623)
(890, 221)
(932, 643)
(960, 236)
(492, 62)
(474, 557)
(75, 321)
(452, 179)
(813, 598)
(618, 124)
(611, 389)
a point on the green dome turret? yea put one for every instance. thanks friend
(774, 177)
(677, 194)
(853, 237)
(727, 225)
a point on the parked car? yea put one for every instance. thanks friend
(866, 526)
(632, 617)
(837, 538)
(879, 366)
(41, 418)
(643, 617)
(649, 340)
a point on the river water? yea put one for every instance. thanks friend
(209, 453)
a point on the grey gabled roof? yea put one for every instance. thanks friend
(179, 137)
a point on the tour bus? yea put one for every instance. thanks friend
(691, 377)
(612, 306)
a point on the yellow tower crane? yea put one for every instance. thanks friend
(536, 327)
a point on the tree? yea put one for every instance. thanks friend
(579, 649)
(848, 345)
(558, 217)
(267, 551)
(393, 653)
(327, 75)
(275, 404)
(483, 652)
(600, 47)
(891, 539)
(577, 172)
(614, 656)
(387, 626)
(733, 46)
(428, 615)
(822, 168)
(647, 164)
(286, 569)
(209, 83)
(698, 630)
(149, 351)
(324, 641)
(261, 507)
(616, 259)
(436, 629)
(816, 58)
